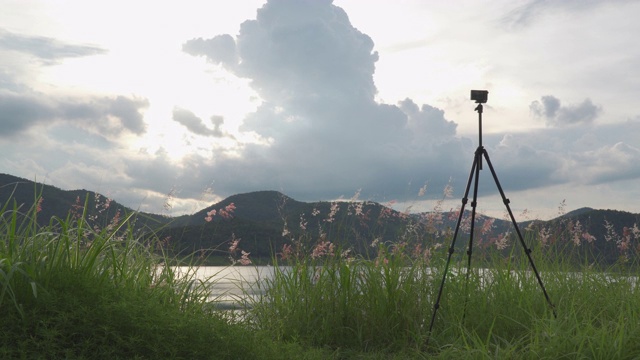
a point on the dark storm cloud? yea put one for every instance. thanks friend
(18, 113)
(194, 124)
(108, 116)
(550, 109)
(327, 136)
(49, 50)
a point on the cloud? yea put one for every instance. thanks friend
(550, 109)
(325, 134)
(547, 107)
(320, 131)
(526, 14)
(427, 120)
(610, 163)
(297, 49)
(109, 116)
(47, 49)
(104, 115)
(194, 124)
(220, 49)
(522, 162)
(587, 155)
(18, 113)
(197, 126)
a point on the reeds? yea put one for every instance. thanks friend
(74, 291)
(383, 306)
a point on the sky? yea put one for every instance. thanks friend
(169, 107)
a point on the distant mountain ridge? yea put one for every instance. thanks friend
(23, 194)
(266, 220)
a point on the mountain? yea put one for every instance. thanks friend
(23, 194)
(264, 221)
(594, 236)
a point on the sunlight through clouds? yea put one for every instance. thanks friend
(319, 98)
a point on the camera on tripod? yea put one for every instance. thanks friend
(479, 96)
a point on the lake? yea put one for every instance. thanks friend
(233, 286)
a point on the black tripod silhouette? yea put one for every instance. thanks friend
(480, 96)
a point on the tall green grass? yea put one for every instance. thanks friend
(346, 304)
(71, 291)
(379, 307)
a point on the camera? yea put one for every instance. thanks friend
(479, 96)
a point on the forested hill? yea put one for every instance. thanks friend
(267, 220)
(52, 202)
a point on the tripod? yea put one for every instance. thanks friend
(481, 96)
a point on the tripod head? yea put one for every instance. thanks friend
(480, 97)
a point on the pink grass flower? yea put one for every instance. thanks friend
(322, 248)
(285, 230)
(381, 261)
(588, 237)
(611, 232)
(233, 244)
(487, 226)
(303, 222)
(448, 189)
(77, 208)
(423, 190)
(210, 215)
(287, 252)
(576, 233)
(544, 235)
(244, 258)
(503, 241)
(335, 207)
(227, 211)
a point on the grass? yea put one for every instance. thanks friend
(384, 307)
(71, 291)
(74, 291)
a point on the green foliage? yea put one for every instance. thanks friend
(79, 287)
(384, 306)
(77, 292)
(346, 304)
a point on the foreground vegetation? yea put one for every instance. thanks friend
(79, 290)
(74, 291)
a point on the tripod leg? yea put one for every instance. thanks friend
(474, 203)
(515, 225)
(452, 247)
